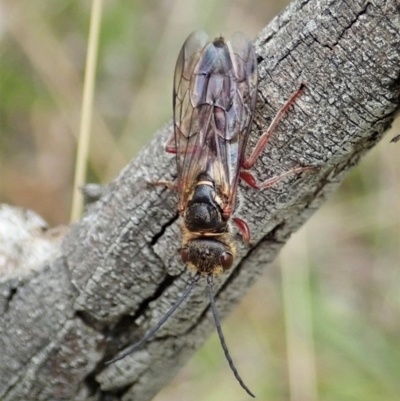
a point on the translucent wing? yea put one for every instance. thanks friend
(215, 89)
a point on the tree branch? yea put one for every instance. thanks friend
(67, 308)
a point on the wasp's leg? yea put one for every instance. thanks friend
(251, 181)
(262, 142)
(167, 184)
(170, 146)
(243, 228)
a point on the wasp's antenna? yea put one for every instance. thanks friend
(221, 336)
(150, 333)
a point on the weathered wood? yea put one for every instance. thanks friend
(117, 270)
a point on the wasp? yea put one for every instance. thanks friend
(214, 99)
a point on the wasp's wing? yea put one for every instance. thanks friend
(215, 89)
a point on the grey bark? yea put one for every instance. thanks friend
(72, 299)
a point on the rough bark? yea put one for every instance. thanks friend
(70, 302)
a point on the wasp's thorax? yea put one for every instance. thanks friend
(203, 214)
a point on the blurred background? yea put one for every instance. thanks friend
(323, 322)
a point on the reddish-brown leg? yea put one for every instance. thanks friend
(243, 228)
(251, 181)
(170, 146)
(167, 184)
(262, 142)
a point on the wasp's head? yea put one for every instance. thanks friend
(208, 255)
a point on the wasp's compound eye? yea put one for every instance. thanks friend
(184, 255)
(226, 260)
